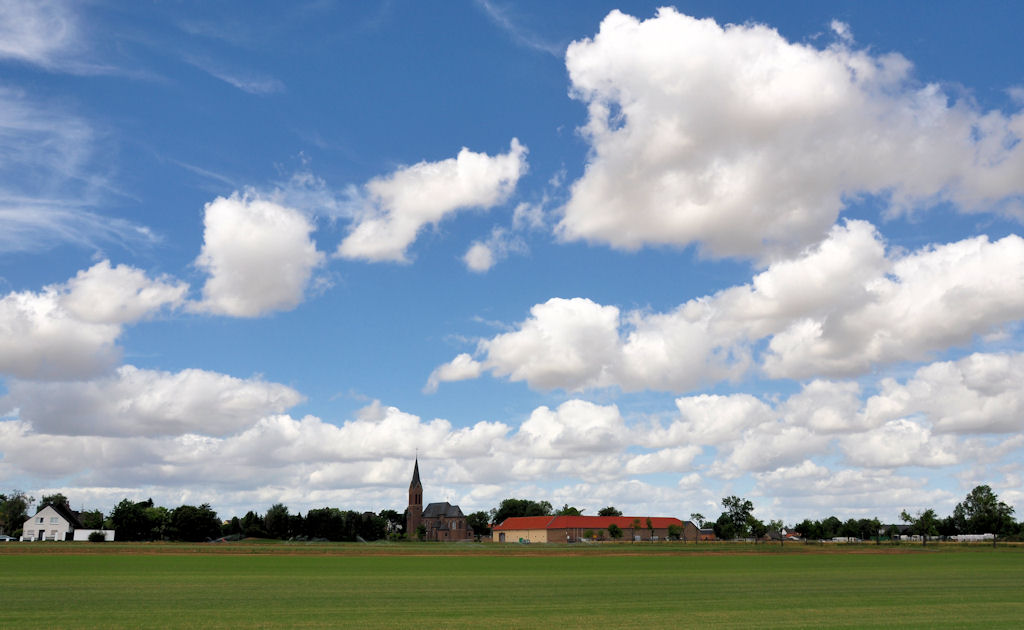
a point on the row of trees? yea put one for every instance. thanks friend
(981, 512)
(144, 521)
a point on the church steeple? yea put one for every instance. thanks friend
(415, 483)
(414, 513)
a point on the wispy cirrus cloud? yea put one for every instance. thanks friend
(48, 34)
(502, 17)
(49, 182)
(247, 81)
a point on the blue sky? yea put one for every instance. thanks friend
(594, 253)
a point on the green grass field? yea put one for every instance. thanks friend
(487, 586)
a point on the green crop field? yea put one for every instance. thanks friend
(67, 585)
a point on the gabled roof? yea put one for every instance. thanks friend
(443, 510)
(65, 512)
(585, 522)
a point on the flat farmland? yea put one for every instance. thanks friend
(80, 585)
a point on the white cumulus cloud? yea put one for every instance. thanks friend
(70, 330)
(747, 144)
(838, 309)
(138, 402)
(398, 205)
(259, 255)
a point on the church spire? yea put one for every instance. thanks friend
(414, 513)
(415, 483)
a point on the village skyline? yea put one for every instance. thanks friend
(600, 254)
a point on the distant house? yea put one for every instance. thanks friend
(562, 529)
(59, 522)
(52, 522)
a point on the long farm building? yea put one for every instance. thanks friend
(562, 529)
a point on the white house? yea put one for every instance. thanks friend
(52, 522)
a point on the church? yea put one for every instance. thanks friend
(441, 521)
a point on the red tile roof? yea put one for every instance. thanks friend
(584, 522)
(525, 522)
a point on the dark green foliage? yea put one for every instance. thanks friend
(252, 525)
(91, 519)
(138, 521)
(614, 531)
(735, 521)
(981, 512)
(394, 522)
(14, 511)
(568, 510)
(609, 511)
(95, 537)
(194, 524)
(276, 521)
(53, 499)
(480, 523)
(925, 524)
(756, 528)
(675, 532)
(337, 525)
(519, 507)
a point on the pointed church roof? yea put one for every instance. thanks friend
(416, 475)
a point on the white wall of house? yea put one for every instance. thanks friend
(82, 535)
(47, 524)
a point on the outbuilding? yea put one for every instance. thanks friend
(563, 529)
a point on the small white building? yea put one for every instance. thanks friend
(52, 522)
(82, 535)
(973, 537)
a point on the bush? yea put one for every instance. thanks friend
(97, 537)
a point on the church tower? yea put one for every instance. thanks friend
(414, 514)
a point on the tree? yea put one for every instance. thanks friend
(53, 499)
(809, 530)
(253, 525)
(275, 523)
(519, 507)
(756, 528)
(830, 527)
(724, 528)
(650, 528)
(675, 532)
(925, 524)
(480, 523)
(737, 517)
(568, 510)
(91, 519)
(14, 511)
(609, 511)
(698, 519)
(614, 531)
(395, 522)
(981, 512)
(194, 524)
(158, 519)
(130, 520)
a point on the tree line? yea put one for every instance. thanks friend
(981, 512)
